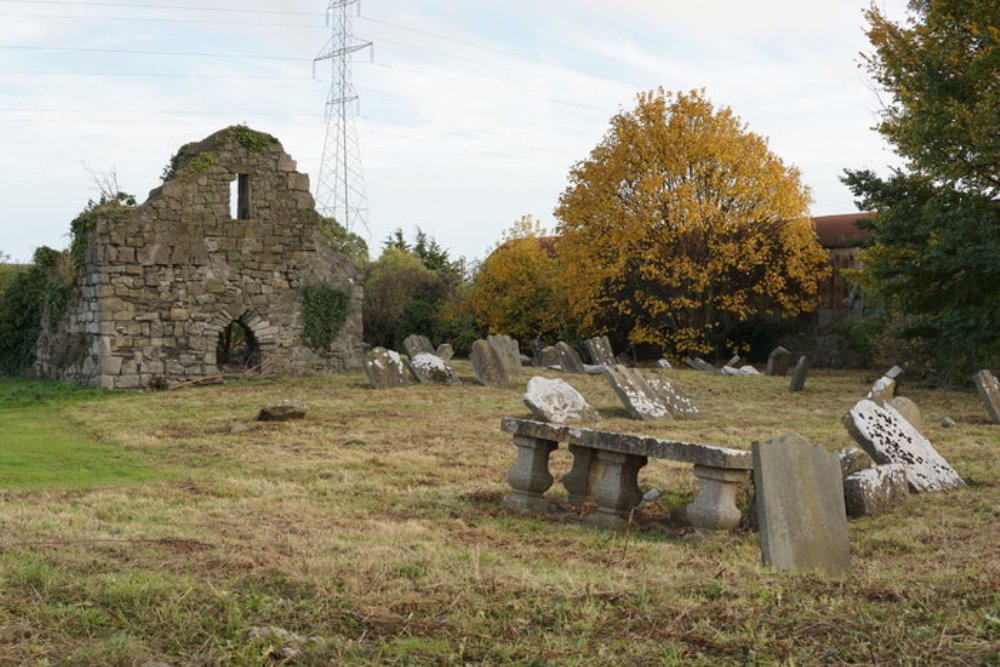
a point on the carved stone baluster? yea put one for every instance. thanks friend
(714, 508)
(529, 477)
(580, 477)
(617, 490)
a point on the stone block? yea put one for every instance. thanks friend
(800, 506)
(875, 490)
(556, 401)
(430, 369)
(883, 389)
(283, 411)
(385, 369)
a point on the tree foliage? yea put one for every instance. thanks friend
(934, 254)
(518, 289)
(681, 224)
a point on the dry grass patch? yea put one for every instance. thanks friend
(374, 524)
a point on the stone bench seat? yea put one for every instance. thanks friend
(606, 467)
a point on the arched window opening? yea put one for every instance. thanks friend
(237, 349)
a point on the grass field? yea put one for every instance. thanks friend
(171, 527)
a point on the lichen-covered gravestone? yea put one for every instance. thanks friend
(779, 361)
(415, 344)
(799, 374)
(883, 389)
(507, 350)
(487, 365)
(556, 401)
(569, 360)
(385, 368)
(430, 369)
(679, 403)
(600, 351)
(889, 438)
(989, 390)
(635, 393)
(872, 491)
(800, 506)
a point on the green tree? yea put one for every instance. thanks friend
(934, 255)
(35, 298)
(347, 242)
(681, 224)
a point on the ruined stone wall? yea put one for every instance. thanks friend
(160, 282)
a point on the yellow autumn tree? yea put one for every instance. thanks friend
(517, 290)
(681, 224)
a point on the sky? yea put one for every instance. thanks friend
(470, 112)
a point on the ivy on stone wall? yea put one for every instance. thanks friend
(114, 208)
(324, 311)
(251, 139)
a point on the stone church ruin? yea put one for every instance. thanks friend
(225, 266)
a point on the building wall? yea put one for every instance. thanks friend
(160, 282)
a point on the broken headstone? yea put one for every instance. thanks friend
(445, 351)
(415, 344)
(600, 351)
(548, 357)
(282, 411)
(385, 368)
(779, 361)
(883, 389)
(872, 491)
(679, 403)
(488, 366)
(556, 401)
(907, 409)
(569, 360)
(852, 460)
(430, 369)
(635, 393)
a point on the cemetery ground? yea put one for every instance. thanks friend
(172, 527)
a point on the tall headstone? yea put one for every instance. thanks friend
(800, 506)
(507, 350)
(554, 400)
(799, 373)
(635, 393)
(989, 390)
(487, 365)
(888, 438)
(569, 359)
(600, 351)
(385, 368)
(430, 369)
(415, 344)
(679, 403)
(779, 361)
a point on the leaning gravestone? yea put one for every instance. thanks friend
(488, 366)
(569, 360)
(445, 351)
(638, 397)
(872, 491)
(700, 364)
(415, 344)
(989, 390)
(600, 351)
(549, 356)
(888, 438)
(779, 361)
(663, 364)
(679, 403)
(798, 380)
(556, 401)
(907, 409)
(883, 389)
(536, 350)
(800, 506)
(429, 369)
(508, 351)
(385, 368)
(896, 375)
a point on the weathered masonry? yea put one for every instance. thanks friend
(223, 266)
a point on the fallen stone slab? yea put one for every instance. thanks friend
(873, 491)
(888, 438)
(554, 400)
(487, 365)
(989, 391)
(701, 365)
(679, 403)
(749, 370)
(800, 506)
(282, 411)
(430, 369)
(639, 399)
(385, 369)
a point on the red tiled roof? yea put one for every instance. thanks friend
(840, 231)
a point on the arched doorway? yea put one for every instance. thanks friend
(237, 349)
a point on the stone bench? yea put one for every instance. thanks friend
(615, 460)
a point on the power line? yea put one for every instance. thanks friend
(67, 17)
(140, 52)
(167, 75)
(131, 5)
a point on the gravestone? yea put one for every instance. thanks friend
(907, 409)
(282, 411)
(735, 361)
(888, 438)
(536, 350)
(569, 360)
(748, 370)
(679, 403)
(852, 460)
(989, 390)
(663, 364)
(445, 351)
(415, 344)
(430, 369)
(487, 365)
(872, 491)
(507, 350)
(896, 375)
(600, 351)
(548, 357)
(883, 389)
(700, 364)
(385, 368)
(556, 401)
(636, 395)
(798, 379)
(779, 361)
(800, 506)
